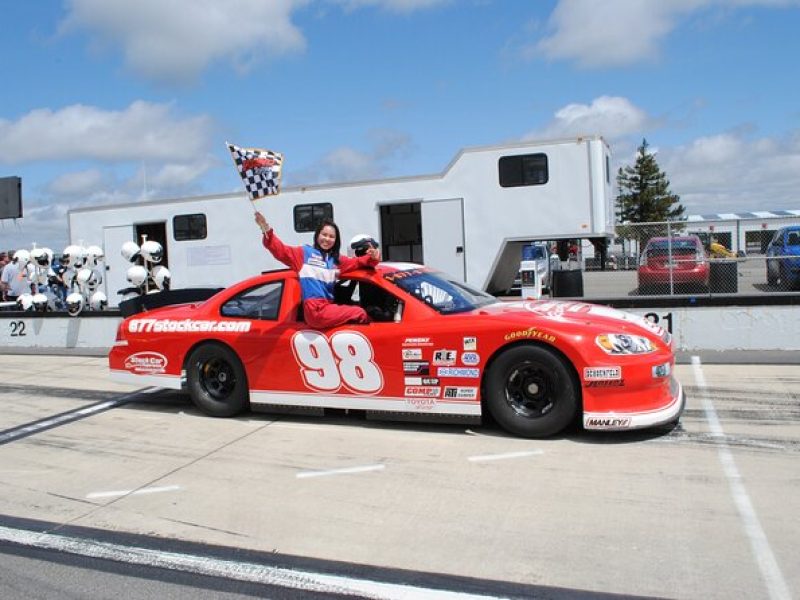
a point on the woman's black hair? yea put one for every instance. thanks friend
(334, 251)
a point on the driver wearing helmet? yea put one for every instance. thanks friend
(14, 280)
(318, 267)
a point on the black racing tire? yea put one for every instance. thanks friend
(531, 391)
(217, 381)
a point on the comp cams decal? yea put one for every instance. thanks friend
(186, 326)
(422, 391)
(148, 363)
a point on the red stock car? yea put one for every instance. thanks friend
(435, 347)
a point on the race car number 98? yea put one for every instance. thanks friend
(344, 359)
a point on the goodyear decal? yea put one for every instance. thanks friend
(530, 333)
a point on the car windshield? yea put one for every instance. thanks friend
(684, 245)
(441, 291)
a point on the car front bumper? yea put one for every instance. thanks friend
(619, 421)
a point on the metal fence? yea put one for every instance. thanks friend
(708, 257)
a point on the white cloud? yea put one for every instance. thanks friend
(621, 32)
(77, 184)
(141, 131)
(176, 40)
(610, 116)
(729, 173)
(398, 6)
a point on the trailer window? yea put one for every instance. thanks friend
(262, 302)
(308, 216)
(523, 169)
(189, 227)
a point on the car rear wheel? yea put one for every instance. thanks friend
(217, 381)
(531, 392)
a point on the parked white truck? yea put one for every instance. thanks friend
(471, 220)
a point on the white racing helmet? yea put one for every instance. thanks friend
(360, 243)
(75, 304)
(152, 251)
(131, 251)
(161, 276)
(94, 255)
(137, 275)
(22, 257)
(98, 301)
(40, 302)
(69, 255)
(25, 302)
(41, 257)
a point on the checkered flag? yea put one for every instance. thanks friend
(259, 169)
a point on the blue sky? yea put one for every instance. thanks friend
(108, 101)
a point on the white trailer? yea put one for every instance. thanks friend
(471, 220)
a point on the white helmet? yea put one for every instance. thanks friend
(83, 276)
(40, 302)
(74, 304)
(98, 301)
(360, 243)
(91, 280)
(70, 255)
(137, 275)
(40, 257)
(152, 251)
(94, 255)
(161, 276)
(131, 251)
(25, 301)
(22, 257)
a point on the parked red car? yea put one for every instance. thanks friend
(670, 262)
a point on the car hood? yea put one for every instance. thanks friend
(561, 312)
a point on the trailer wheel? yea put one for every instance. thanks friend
(531, 392)
(217, 381)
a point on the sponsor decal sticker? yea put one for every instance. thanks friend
(661, 370)
(421, 403)
(146, 363)
(412, 353)
(470, 358)
(445, 358)
(604, 383)
(413, 381)
(607, 422)
(422, 391)
(471, 343)
(416, 367)
(458, 372)
(531, 333)
(430, 381)
(461, 393)
(417, 341)
(186, 326)
(601, 373)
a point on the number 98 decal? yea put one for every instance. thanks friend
(343, 360)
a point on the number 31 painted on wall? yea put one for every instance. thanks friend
(344, 359)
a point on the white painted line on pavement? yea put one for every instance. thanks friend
(151, 490)
(507, 455)
(344, 471)
(767, 564)
(238, 571)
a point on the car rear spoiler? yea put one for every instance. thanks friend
(147, 302)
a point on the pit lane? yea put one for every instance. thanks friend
(657, 513)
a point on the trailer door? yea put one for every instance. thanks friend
(116, 266)
(443, 236)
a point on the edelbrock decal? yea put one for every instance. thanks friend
(458, 372)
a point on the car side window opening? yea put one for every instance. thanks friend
(379, 304)
(262, 302)
(793, 239)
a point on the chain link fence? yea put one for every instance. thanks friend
(699, 257)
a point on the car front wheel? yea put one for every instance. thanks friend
(531, 392)
(216, 380)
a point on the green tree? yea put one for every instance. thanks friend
(644, 195)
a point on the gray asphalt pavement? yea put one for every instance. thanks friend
(704, 510)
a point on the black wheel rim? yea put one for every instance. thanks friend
(530, 390)
(217, 378)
